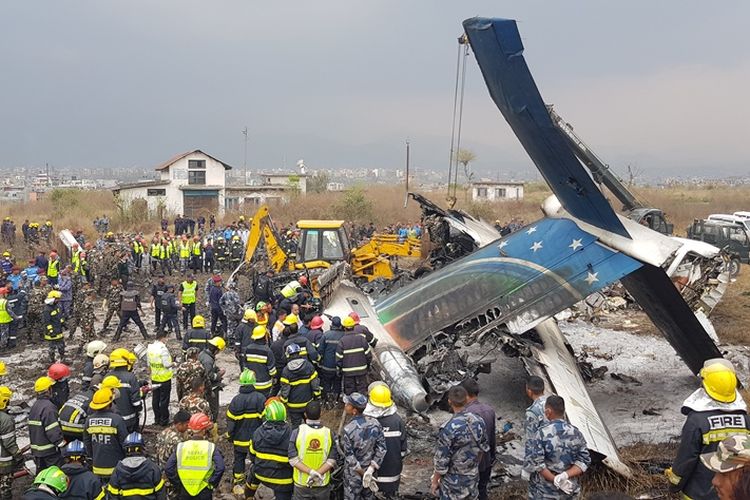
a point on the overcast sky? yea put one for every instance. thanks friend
(662, 85)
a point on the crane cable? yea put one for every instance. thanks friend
(458, 109)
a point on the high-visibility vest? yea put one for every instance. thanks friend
(162, 251)
(137, 247)
(159, 373)
(5, 317)
(195, 464)
(53, 268)
(75, 258)
(197, 249)
(290, 289)
(313, 448)
(154, 249)
(184, 250)
(188, 292)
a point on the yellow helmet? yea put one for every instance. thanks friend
(5, 395)
(291, 319)
(110, 382)
(348, 322)
(218, 342)
(3, 370)
(720, 382)
(119, 357)
(6, 254)
(258, 332)
(102, 398)
(199, 321)
(250, 315)
(380, 395)
(54, 294)
(43, 383)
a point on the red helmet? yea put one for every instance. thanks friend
(316, 322)
(303, 280)
(3, 291)
(199, 422)
(355, 317)
(58, 371)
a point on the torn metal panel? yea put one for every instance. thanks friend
(520, 281)
(561, 370)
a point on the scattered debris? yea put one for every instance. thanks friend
(625, 378)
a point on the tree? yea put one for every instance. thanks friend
(464, 157)
(354, 206)
(318, 183)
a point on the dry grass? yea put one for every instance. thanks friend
(732, 316)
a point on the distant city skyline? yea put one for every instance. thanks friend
(343, 84)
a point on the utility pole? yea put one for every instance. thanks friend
(406, 195)
(244, 163)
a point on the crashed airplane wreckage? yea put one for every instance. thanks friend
(505, 291)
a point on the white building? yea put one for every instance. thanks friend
(265, 188)
(190, 184)
(496, 191)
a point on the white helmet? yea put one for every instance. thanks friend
(95, 347)
(101, 360)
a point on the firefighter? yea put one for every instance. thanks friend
(244, 332)
(258, 357)
(197, 336)
(353, 358)
(243, 418)
(236, 251)
(45, 434)
(307, 349)
(312, 453)
(105, 434)
(380, 407)
(7, 317)
(360, 328)
(269, 452)
(196, 466)
(214, 374)
(84, 484)
(136, 475)
(53, 321)
(10, 455)
(73, 413)
(49, 484)
(128, 400)
(93, 348)
(299, 384)
(714, 411)
(329, 375)
(60, 373)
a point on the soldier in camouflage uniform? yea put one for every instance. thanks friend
(84, 316)
(114, 300)
(558, 455)
(534, 418)
(195, 402)
(231, 305)
(460, 443)
(34, 326)
(167, 441)
(189, 370)
(364, 447)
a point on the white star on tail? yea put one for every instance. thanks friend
(575, 244)
(502, 245)
(536, 246)
(591, 278)
(532, 229)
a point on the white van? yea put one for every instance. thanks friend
(742, 215)
(734, 219)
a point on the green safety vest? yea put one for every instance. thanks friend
(184, 251)
(159, 373)
(195, 464)
(154, 250)
(53, 268)
(188, 292)
(5, 317)
(75, 258)
(290, 289)
(313, 448)
(137, 248)
(197, 249)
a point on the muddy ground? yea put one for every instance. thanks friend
(642, 407)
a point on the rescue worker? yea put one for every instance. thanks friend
(558, 455)
(53, 268)
(183, 251)
(330, 378)
(269, 452)
(312, 454)
(231, 306)
(187, 296)
(128, 400)
(380, 407)
(236, 251)
(214, 374)
(196, 466)
(73, 413)
(353, 358)
(218, 320)
(360, 328)
(7, 317)
(315, 331)
(93, 348)
(189, 370)
(169, 309)
(243, 332)
(196, 258)
(65, 286)
(243, 418)
(167, 440)
(221, 253)
(460, 444)
(195, 401)
(113, 300)
(307, 349)
(49, 484)
(487, 414)
(60, 373)
(298, 385)
(130, 307)
(197, 336)
(53, 320)
(714, 412)
(259, 358)
(363, 444)
(104, 435)
(84, 485)
(10, 456)
(136, 475)
(18, 303)
(160, 363)
(157, 290)
(45, 434)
